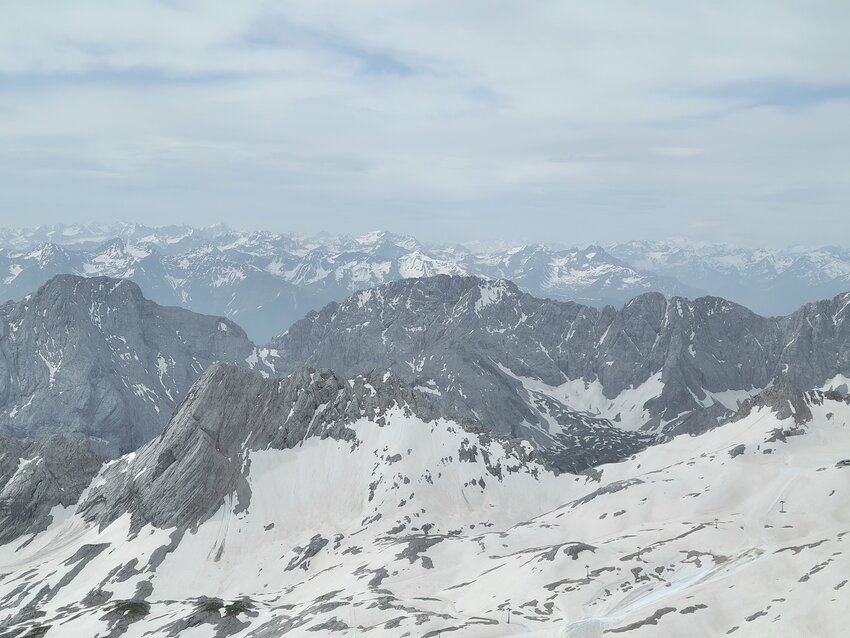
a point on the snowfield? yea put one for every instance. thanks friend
(417, 528)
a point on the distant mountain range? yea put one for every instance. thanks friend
(770, 282)
(586, 386)
(267, 281)
(93, 357)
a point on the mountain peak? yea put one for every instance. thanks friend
(89, 286)
(228, 414)
(93, 356)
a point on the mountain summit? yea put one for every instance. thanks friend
(569, 376)
(92, 356)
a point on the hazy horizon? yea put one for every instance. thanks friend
(599, 123)
(469, 242)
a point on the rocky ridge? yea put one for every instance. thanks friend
(37, 476)
(181, 478)
(541, 369)
(341, 510)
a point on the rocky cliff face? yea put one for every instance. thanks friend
(182, 478)
(92, 356)
(536, 367)
(324, 506)
(37, 476)
(469, 343)
(588, 386)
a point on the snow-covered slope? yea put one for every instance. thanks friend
(334, 507)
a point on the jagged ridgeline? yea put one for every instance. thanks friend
(266, 281)
(93, 357)
(201, 456)
(563, 374)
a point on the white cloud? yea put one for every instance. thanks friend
(582, 120)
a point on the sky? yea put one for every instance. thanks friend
(453, 120)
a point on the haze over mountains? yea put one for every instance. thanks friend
(266, 281)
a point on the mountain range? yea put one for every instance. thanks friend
(587, 386)
(436, 455)
(770, 281)
(93, 357)
(266, 281)
(319, 505)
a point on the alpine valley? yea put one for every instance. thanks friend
(422, 441)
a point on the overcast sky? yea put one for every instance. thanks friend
(456, 120)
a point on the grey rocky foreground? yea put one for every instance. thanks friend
(467, 340)
(92, 356)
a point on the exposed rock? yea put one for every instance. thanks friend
(471, 342)
(36, 476)
(94, 357)
(786, 400)
(738, 450)
(199, 457)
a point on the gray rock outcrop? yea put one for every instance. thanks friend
(36, 476)
(182, 477)
(468, 341)
(92, 356)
